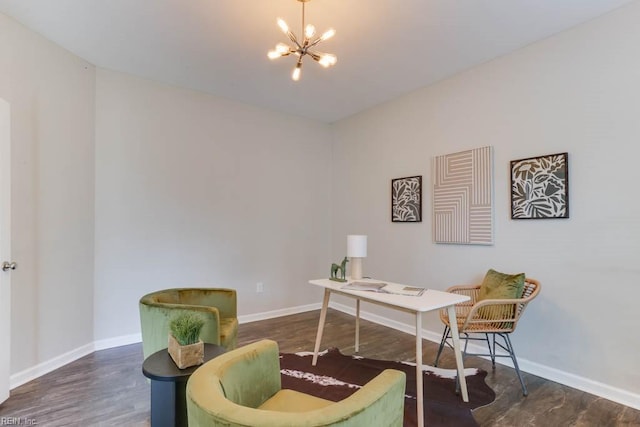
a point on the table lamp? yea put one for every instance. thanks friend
(356, 250)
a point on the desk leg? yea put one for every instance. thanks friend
(419, 389)
(323, 317)
(357, 325)
(453, 324)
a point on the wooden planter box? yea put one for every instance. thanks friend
(186, 355)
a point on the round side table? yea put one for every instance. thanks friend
(169, 386)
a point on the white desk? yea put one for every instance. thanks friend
(428, 301)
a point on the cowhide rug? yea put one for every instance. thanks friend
(337, 376)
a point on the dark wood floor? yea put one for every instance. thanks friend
(107, 388)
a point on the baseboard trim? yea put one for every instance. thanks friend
(117, 341)
(248, 318)
(30, 374)
(43, 368)
(606, 391)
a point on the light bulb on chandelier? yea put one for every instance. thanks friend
(295, 75)
(300, 49)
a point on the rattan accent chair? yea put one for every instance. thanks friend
(488, 317)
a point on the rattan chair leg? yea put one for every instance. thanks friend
(466, 344)
(492, 351)
(515, 363)
(445, 334)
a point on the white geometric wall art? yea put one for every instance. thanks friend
(463, 197)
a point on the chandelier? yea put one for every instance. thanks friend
(303, 47)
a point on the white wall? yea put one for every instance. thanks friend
(51, 93)
(575, 92)
(194, 190)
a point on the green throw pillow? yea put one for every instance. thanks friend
(498, 285)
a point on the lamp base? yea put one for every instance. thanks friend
(356, 268)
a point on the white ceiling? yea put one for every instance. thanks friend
(385, 48)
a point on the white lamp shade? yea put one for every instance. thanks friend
(356, 246)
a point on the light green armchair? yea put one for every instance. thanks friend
(218, 306)
(243, 388)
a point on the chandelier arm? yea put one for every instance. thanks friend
(315, 42)
(314, 55)
(293, 38)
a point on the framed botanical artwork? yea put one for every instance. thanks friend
(540, 187)
(406, 199)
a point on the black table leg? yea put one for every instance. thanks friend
(168, 404)
(169, 386)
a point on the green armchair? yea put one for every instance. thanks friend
(218, 306)
(243, 388)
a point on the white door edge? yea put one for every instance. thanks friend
(5, 249)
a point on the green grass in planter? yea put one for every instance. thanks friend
(186, 327)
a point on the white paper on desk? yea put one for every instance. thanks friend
(366, 286)
(411, 291)
(385, 288)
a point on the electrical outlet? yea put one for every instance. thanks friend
(259, 287)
